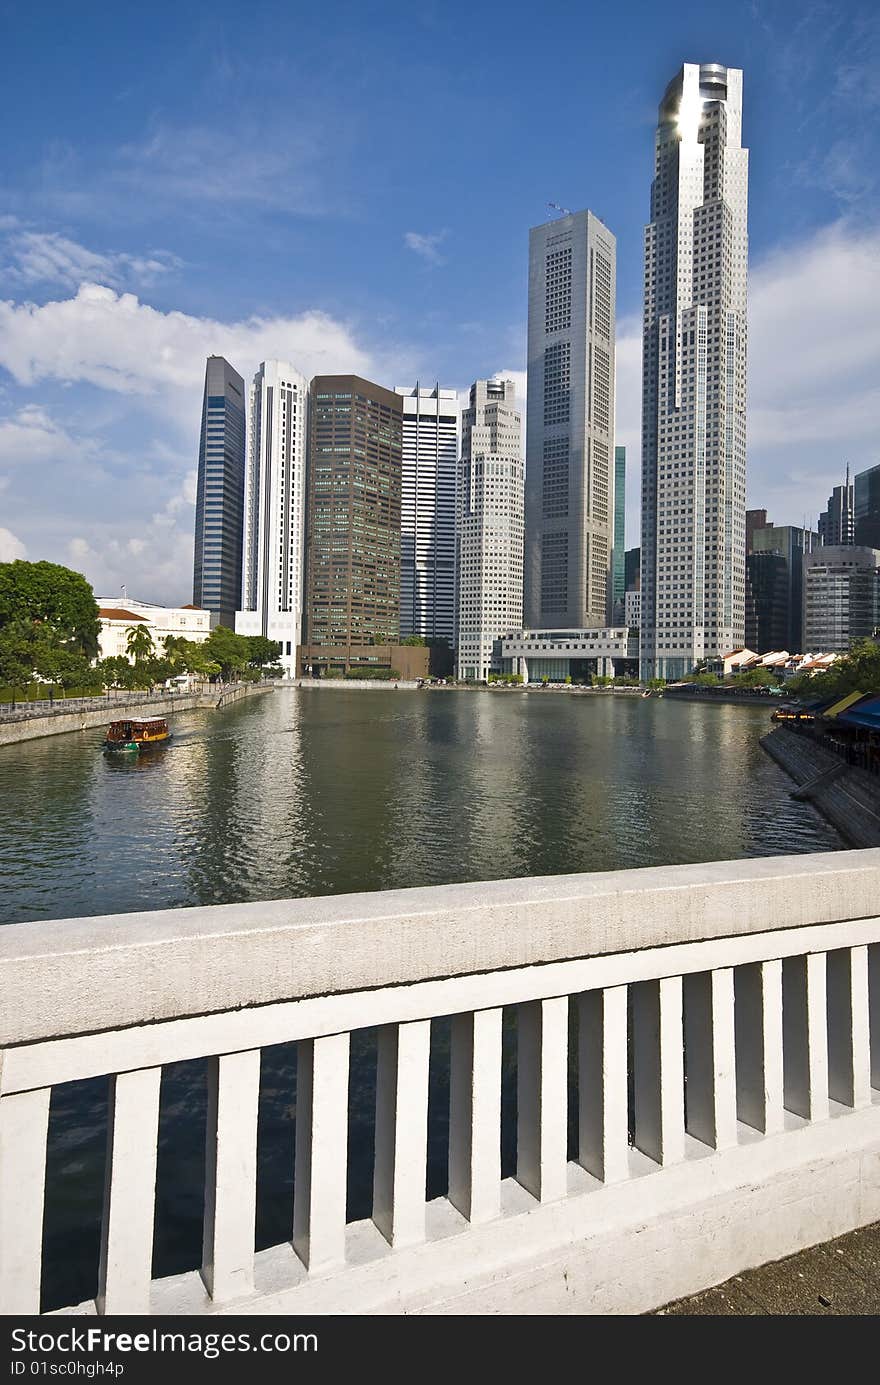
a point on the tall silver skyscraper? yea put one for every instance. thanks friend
(220, 494)
(694, 377)
(273, 565)
(570, 423)
(429, 459)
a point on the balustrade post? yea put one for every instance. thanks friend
(805, 1036)
(849, 1056)
(710, 1072)
(125, 1270)
(542, 1097)
(758, 1021)
(321, 1150)
(874, 1011)
(658, 1068)
(24, 1123)
(400, 1170)
(603, 1145)
(475, 1115)
(231, 1175)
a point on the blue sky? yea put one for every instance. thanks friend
(351, 186)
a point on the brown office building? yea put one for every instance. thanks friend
(353, 523)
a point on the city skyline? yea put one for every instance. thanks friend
(97, 384)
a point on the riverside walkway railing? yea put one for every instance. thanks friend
(109, 700)
(716, 1027)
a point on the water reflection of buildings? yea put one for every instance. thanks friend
(245, 802)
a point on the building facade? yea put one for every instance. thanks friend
(118, 616)
(489, 528)
(837, 524)
(755, 519)
(560, 656)
(275, 498)
(767, 603)
(841, 596)
(431, 447)
(618, 557)
(632, 569)
(633, 610)
(353, 518)
(775, 586)
(570, 422)
(694, 377)
(866, 494)
(220, 494)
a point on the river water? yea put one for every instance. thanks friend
(309, 792)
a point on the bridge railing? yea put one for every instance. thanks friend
(716, 1027)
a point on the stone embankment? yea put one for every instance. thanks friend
(387, 683)
(726, 696)
(27, 723)
(348, 683)
(847, 796)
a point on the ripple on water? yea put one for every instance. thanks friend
(298, 794)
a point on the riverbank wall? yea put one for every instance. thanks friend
(368, 684)
(387, 684)
(23, 725)
(848, 797)
(726, 698)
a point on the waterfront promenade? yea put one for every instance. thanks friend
(26, 721)
(838, 1279)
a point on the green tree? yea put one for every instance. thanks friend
(229, 651)
(415, 640)
(47, 594)
(856, 671)
(753, 678)
(119, 672)
(139, 643)
(19, 643)
(188, 656)
(66, 668)
(262, 651)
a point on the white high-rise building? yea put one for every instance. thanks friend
(431, 449)
(489, 529)
(570, 423)
(694, 377)
(275, 495)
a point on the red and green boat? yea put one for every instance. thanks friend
(129, 737)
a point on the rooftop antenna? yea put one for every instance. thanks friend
(555, 207)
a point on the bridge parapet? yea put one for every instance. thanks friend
(697, 1084)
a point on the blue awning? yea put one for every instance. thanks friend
(864, 713)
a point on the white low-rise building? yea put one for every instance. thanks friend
(117, 617)
(555, 655)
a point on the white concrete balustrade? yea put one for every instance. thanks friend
(716, 1026)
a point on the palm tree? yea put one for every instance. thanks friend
(138, 643)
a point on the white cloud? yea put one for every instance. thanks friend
(10, 547)
(31, 436)
(118, 343)
(41, 257)
(133, 431)
(184, 169)
(426, 246)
